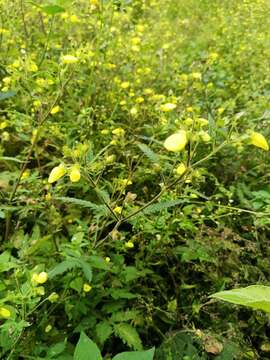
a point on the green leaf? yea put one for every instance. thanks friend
(72, 264)
(255, 296)
(161, 206)
(101, 209)
(52, 9)
(86, 349)
(136, 355)
(98, 262)
(177, 346)
(56, 349)
(128, 335)
(87, 270)
(63, 267)
(130, 273)
(77, 284)
(8, 158)
(7, 262)
(122, 294)
(149, 153)
(103, 331)
(121, 316)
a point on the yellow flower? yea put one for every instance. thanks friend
(213, 56)
(110, 159)
(40, 290)
(7, 80)
(42, 277)
(87, 288)
(53, 297)
(133, 111)
(196, 76)
(259, 140)
(176, 142)
(75, 174)
(167, 107)
(25, 174)
(3, 125)
(48, 328)
(181, 169)
(129, 245)
(94, 2)
(48, 197)
(37, 104)
(5, 313)
(203, 122)
(107, 259)
(118, 209)
(204, 136)
(188, 121)
(56, 173)
(32, 67)
(118, 132)
(55, 109)
(220, 110)
(125, 182)
(74, 19)
(69, 59)
(104, 131)
(125, 85)
(148, 91)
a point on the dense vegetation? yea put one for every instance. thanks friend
(109, 226)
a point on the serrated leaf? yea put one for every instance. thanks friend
(128, 335)
(98, 262)
(63, 267)
(86, 349)
(255, 296)
(148, 153)
(122, 294)
(136, 355)
(101, 209)
(7, 262)
(103, 331)
(87, 270)
(161, 206)
(130, 273)
(121, 316)
(56, 349)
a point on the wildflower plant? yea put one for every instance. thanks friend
(133, 171)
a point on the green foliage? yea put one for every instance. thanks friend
(255, 296)
(136, 355)
(128, 335)
(86, 349)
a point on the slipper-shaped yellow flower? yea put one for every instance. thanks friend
(5, 313)
(259, 140)
(181, 169)
(176, 142)
(69, 59)
(56, 173)
(75, 174)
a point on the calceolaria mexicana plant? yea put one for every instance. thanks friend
(133, 177)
